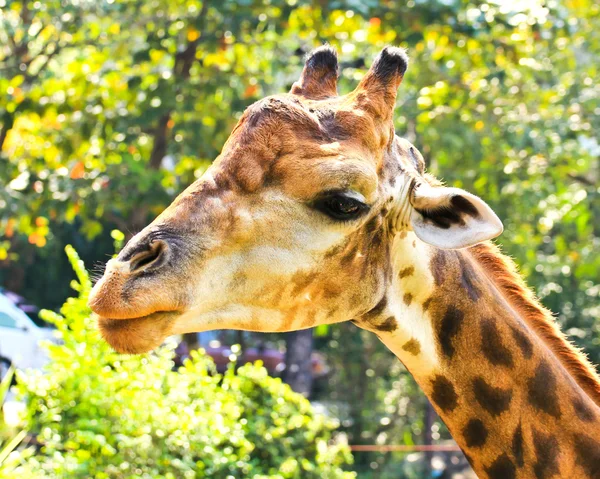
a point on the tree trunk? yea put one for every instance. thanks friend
(298, 364)
(159, 148)
(7, 123)
(428, 420)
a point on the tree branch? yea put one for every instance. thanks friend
(581, 179)
(181, 70)
(159, 148)
(7, 123)
(29, 77)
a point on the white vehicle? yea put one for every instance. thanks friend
(19, 338)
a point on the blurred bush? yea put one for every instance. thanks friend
(100, 414)
(9, 440)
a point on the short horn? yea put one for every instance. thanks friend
(376, 92)
(319, 76)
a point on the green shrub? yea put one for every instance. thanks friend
(9, 439)
(103, 415)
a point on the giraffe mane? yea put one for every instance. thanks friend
(503, 272)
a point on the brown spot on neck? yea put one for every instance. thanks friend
(389, 325)
(468, 278)
(588, 455)
(443, 394)
(438, 266)
(475, 433)
(523, 342)
(541, 390)
(546, 453)
(502, 272)
(493, 399)
(502, 468)
(427, 303)
(492, 346)
(449, 328)
(582, 410)
(408, 271)
(412, 346)
(517, 446)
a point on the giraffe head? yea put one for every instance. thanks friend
(291, 225)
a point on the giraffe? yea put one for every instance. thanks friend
(317, 212)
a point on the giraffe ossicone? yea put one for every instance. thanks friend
(316, 212)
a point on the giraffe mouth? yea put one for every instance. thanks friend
(137, 335)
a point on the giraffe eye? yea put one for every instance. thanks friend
(341, 205)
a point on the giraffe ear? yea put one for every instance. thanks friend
(319, 76)
(376, 92)
(452, 218)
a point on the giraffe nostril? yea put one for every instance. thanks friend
(152, 257)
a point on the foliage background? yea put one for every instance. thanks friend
(109, 108)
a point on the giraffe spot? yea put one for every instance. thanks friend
(492, 347)
(389, 325)
(541, 390)
(502, 468)
(412, 346)
(475, 433)
(443, 394)
(468, 279)
(408, 299)
(427, 303)
(582, 410)
(414, 244)
(517, 446)
(449, 328)
(403, 234)
(546, 452)
(438, 267)
(494, 400)
(407, 272)
(522, 341)
(588, 453)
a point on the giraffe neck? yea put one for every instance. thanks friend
(505, 396)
